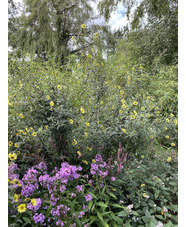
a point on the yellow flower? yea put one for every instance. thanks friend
(51, 108)
(151, 136)
(175, 122)
(46, 127)
(78, 153)
(59, 87)
(16, 198)
(89, 148)
(21, 115)
(132, 116)
(51, 103)
(18, 152)
(30, 128)
(47, 97)
(97, 122)
(168, 159)
(123, 101)
(121, 92)
(71, 121)
(93, 160)
(119, 87)
(123, 106)
(142, 108)
(124, 130)
(165, 128)
(142, 185)
(144, 195)
(87, 124)
(34, 202)
(101, 127)
(167, 137)
(142, 156)
(172, 115)
(120, 111)
(114, 189)
(86, 134)
(96, 34)
(135, 113)
(34, 134)
(101, 102)
(162, 213)
(113, 107)
(167, 120)
(148, 115)
(141, 67)
(12, 156)
(20, 84)
(75, 142)
(84, 161)
(89, 56)
(83, 25)
(16, 145)
(128, 82)
(10, 143)
(172, 144)
(167, 179)
(82, 110)
(135, 103)
(73, 38)
(21, 208)
(148, 97)
(79, 66)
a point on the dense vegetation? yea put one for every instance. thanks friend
(92, 115)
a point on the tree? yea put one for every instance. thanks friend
(153, 26)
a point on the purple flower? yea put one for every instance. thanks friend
(88, 197)
(79, 188)
(159, 224)
(36, 207)
(113, 178)
(81, 214)
(38, 218)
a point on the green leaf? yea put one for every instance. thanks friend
(48, 211)
(27, 220)
(122, 214)
(116, 205)
(99, 216)
(101, 204)
(112, 195)
(90, 204)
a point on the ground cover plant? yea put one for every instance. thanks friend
(92, 140)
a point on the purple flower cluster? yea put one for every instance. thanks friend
(88, 197)
(39, 218)
(28, 190)
(66, 173)
(95, 167)
(79, 188)
(59, 223)
(60, 211)
(35, 208)
(81, 214)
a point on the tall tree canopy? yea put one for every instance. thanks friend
(153, 26)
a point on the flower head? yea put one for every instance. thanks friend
(71, 121)
(83, 25)
(135, 103)
(51, 103)
(59, 87)
(47, 97)
(88, 197)
(21, 208)
(34, 134)
(168, 159)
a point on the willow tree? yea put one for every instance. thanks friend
(153, 26)
(49, 27)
